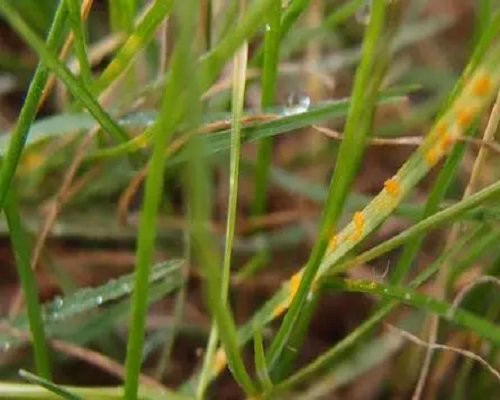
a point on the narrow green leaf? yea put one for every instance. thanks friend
(260, 361)
(51, 387)
(29, 285)
(28, 111)
(138, 39)
(62, 309)
(80, 42)
(384, 21)
(47, 56)
(269, 82)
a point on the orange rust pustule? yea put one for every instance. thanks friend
(482, 85)
(442, 128)
(464, 117)
(392, 187)
(294, 287)
(446, 142)
(432, 157)
(359, 225)
(294, 284)
(332, 244)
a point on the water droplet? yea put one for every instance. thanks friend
(297, 104)
(408, 296)
(268, 27)
(5, 346)
(99, 299)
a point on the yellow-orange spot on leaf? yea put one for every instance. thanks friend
(220, 361)
(280, 309)
(432, 156)
(392, 187)
(294, 286)
(482, 85)
(442, 128)
(446, 142)
(332, 245)
(359, 225)
(464, 117)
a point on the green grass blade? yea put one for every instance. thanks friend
(138, 39)
(213, 61)
(77, 89)
(368, 79)
(51, 387)
(29, 285)
(288, 122)
(479, 325)
(290, 15)
(268, 89)
(29, 108)
(21, 391)
(81, 51)
(63, 309)
(172, 111)
(260, 362)
(445, 216)
(238, 98)
(122, 13)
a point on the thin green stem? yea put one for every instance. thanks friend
(81, 93)
(269, 81)
(239, 80)
(172, 112)
(479, 325)
(80, 43)
(29, 285)
(28, 111)
(51, 387)
(138, 39)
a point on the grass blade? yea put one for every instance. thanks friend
(78, 90)
(67, 308)
(238, 98)
(269, 81)
(142, 35)
(486, 329)
(28, 112)
(260, 362)
(51, 387)
(29, 285)
(80, 42)
(162, 130)
(368, 79)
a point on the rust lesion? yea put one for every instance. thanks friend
(359, 225)
(482, 84)
(392, 187)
